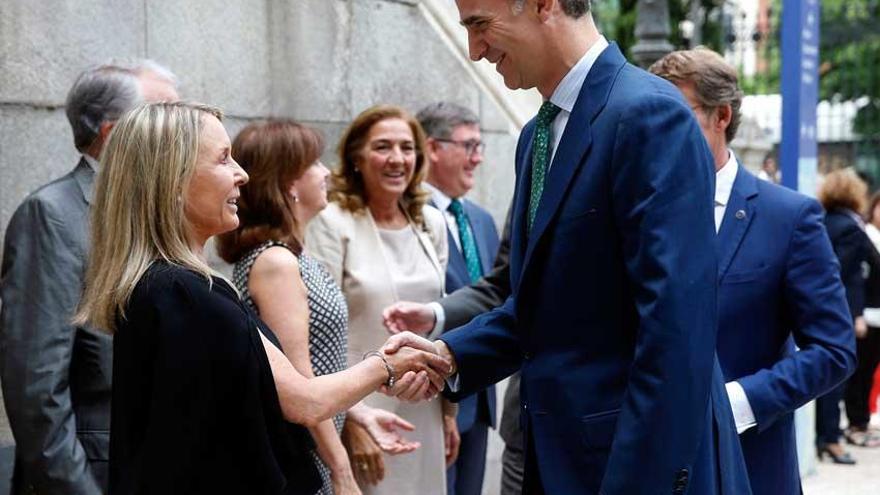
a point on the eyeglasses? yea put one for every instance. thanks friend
(470, 146)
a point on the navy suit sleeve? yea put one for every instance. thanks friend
(487, 349)
(816, 305)
(662, 188)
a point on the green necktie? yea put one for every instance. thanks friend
(468, 245)
(540, 155)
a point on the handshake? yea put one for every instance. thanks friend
(420, 367)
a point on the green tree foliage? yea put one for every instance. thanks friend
(617, 18)
(849, 58)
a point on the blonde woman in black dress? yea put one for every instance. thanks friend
(203, 396)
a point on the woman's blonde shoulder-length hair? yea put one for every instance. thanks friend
(348, 188)
(137, 216)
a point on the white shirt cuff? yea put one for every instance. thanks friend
(439, 320)
(872, 317)
(453, 382)
(743, 415)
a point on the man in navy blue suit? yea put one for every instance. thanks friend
(612, 316)
(779, 285)
(455, 149)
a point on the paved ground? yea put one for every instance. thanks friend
(861, 479)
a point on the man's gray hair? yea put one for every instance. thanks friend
(440, 119)
(572, 8)
(103, 93)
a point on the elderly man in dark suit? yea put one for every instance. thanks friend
(612, 317)
(56, 378)
(778, 285)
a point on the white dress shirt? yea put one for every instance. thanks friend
(92, 163)
(566, 93)
(442, 202)
(724, 179)
(743, 415)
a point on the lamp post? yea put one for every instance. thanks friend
(652, 32)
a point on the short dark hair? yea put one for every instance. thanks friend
(103, 93)
(440, 119)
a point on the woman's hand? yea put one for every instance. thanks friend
(365, 454)
(452, 439)
(383, 426)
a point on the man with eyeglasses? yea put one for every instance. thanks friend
(455, 150)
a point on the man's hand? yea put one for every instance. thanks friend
(415, 317)
(408, 339)
(452, 439)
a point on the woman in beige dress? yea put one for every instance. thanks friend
(382, 244)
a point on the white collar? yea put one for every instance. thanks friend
(92, 162)
(724, 180)
(441, 200)
(566, 93)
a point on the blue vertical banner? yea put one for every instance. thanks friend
(800, 94)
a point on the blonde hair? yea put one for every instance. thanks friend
(843, 188)
(138, 211)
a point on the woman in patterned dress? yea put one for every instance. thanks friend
(291, 291)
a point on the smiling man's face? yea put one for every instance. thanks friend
(505, 35)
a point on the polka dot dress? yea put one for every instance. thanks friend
(328, 323)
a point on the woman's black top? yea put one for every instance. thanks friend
(853, 249)
(194, 408)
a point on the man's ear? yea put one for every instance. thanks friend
(432, 146)
(723, 116)
(544, 8)
(104, 130)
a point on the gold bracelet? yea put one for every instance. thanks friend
(388, 367)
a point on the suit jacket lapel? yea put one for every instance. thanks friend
(518, 227)
(576, 141)
(738, 216)
(479, 228)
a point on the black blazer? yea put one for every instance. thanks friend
(853, 249)
(194, 407)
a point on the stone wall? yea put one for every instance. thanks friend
(317, 61)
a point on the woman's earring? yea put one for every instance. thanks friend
(295, 198)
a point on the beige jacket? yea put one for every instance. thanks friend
(349, 246)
